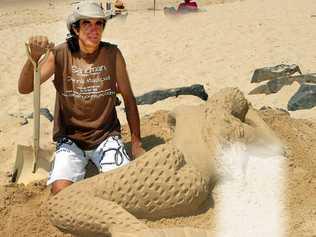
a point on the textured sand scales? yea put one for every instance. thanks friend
(158, 185)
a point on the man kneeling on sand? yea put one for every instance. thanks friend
(87, 75)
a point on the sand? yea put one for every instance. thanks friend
(218, 47)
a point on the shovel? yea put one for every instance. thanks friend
(33, 163)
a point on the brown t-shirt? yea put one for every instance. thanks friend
(85, 95)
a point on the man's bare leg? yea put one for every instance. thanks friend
(59, 185)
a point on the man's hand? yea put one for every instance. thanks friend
(38, 46)
(137, 149)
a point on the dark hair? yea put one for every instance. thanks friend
(72, 38)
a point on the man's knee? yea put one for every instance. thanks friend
(59, 185)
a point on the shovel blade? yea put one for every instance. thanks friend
(23, 168)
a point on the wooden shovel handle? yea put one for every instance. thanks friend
(36, 102)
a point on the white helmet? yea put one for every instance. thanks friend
(85, 10)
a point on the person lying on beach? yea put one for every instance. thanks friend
(187, 5)
(87, 75)
(184, 7)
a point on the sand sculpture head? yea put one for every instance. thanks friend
(225, 116)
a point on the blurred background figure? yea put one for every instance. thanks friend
(119, 4)
(188, 5)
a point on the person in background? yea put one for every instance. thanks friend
(187, 5)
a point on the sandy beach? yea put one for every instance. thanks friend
(220, 46)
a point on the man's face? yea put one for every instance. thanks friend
(90, 32)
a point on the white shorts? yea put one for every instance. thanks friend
(70, 161)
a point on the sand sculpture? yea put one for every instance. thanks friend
(172, 179)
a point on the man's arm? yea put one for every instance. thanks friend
(132, 114)
(38, 46)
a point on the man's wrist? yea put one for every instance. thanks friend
(135, 140)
